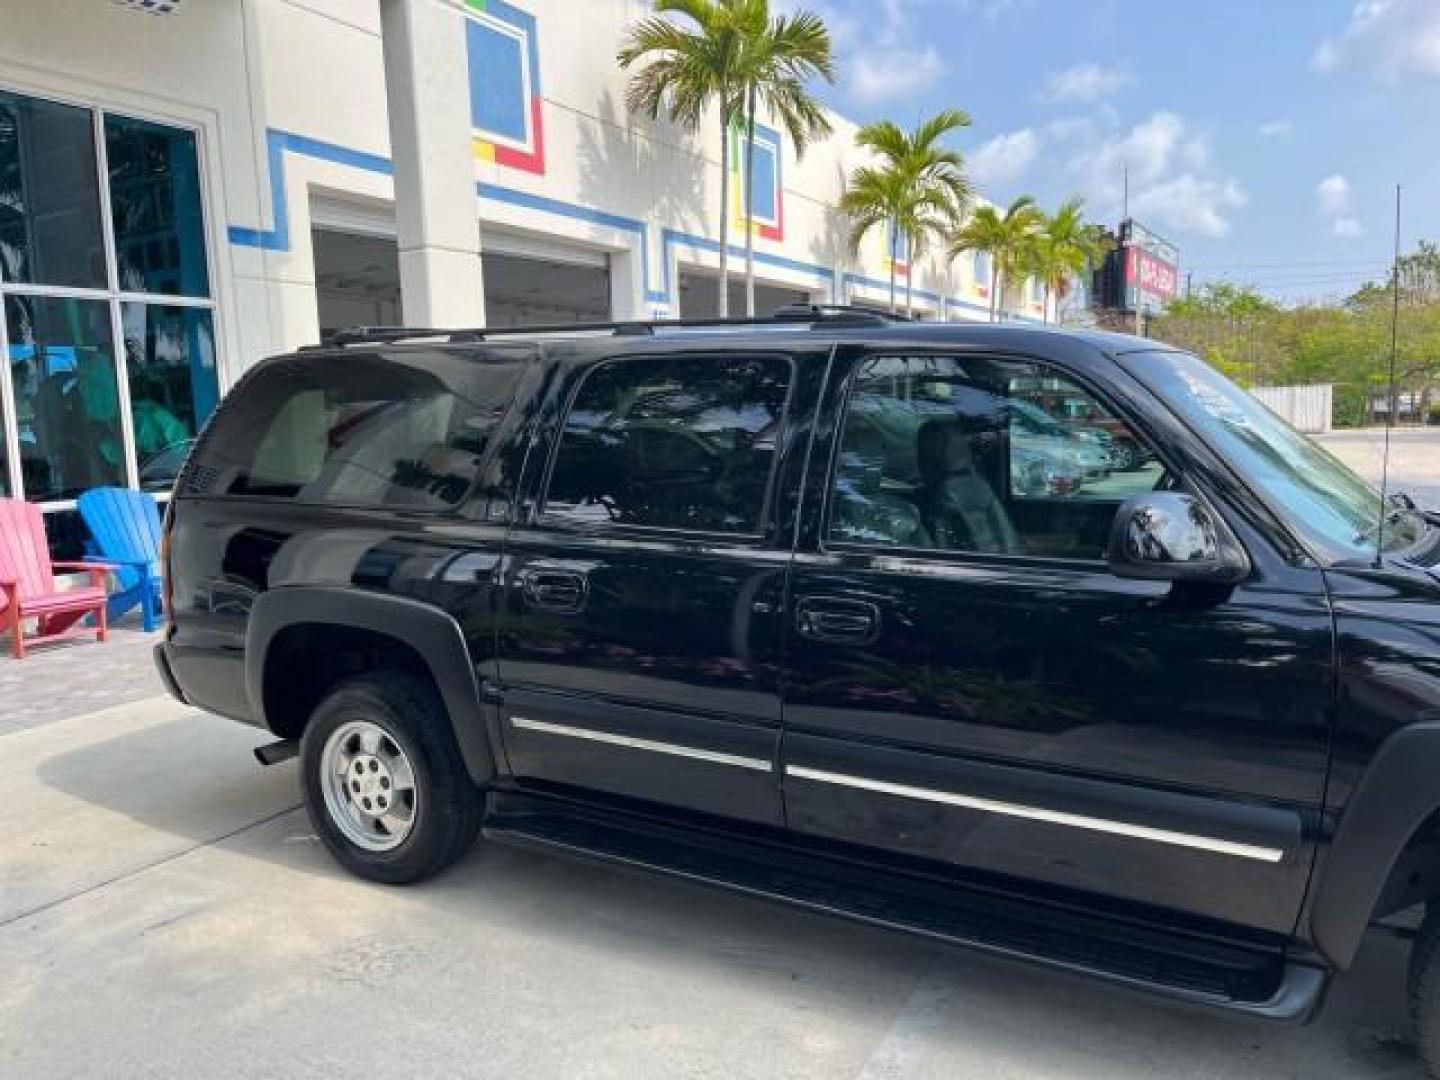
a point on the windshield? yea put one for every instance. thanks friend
(1321, 498)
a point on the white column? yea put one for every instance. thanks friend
(437, 214)
(627, 286)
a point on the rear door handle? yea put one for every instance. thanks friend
(561, 591)
(838, 620)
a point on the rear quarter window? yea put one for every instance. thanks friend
(413, 430)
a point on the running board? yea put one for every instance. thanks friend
(1181, 967)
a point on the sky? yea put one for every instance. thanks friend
(1264, 138)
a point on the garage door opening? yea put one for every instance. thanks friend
(699, 299)
(525, 291)
(357, 283)
(357, 280)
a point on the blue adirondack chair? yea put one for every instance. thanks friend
(125, 525)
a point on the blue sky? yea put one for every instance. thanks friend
(1263, 137)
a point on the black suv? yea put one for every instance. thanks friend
(804, 607)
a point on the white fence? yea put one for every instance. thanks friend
(1308, 408)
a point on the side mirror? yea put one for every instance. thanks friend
(1171, 536)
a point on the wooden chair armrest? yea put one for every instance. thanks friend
(97, 570)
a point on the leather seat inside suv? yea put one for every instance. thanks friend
(957, 504)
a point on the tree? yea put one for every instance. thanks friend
(777, 57)
(1065, 245)
(1007, 238)
(918, 188)
(687, 68)
(1419, 274)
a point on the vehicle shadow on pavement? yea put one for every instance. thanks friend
(622, 945)
(958, 1011)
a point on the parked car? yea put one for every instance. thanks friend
(1088, 451)
(1080, 414)
(695, 599)
(159, 470)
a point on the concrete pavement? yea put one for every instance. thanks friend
(165, 911)
(1414, 458)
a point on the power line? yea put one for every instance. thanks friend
(1289, 267)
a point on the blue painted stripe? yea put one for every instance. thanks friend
(879, 283)
(277, 142)
(671, 238)
(582, 213)
(277, 238)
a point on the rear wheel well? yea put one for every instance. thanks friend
(1415, 876)
(305, 661)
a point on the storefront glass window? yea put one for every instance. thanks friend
(170, 361)
(155, 207)
(67, 405)
(49, 195)
(108, 340)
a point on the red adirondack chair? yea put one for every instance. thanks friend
(27, 583)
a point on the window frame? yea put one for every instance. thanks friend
(541, 517)
(110, 293)
(827, 546)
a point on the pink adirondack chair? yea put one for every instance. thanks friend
(27, 583)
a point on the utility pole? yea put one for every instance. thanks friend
(1132, 244)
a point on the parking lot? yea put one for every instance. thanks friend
(1414, 458)
(165, 911)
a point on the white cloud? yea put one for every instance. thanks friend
(1173, 184)
(1083, 82)
(1395, 39)
(881, 56)
(877, 76)
(1277, 129)
(1337, 206)
(1334, 195)
(993, 9)
(1190, 203)
(1004, 158)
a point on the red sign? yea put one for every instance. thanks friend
(1153, 275)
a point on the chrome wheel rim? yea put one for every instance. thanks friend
(369, 786)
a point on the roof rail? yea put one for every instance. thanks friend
(799, 314)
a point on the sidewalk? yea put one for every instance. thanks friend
(77, 677)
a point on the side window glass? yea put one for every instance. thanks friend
(982, 455)
(363, 430)
(672, 442)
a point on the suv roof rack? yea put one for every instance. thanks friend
(791, 314)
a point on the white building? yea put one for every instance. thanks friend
(187, 186)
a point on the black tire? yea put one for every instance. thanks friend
(1424, 991)
(447, 804)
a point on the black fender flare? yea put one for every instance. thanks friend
(431, 632)
(1399, 791)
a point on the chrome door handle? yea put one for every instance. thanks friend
(562, 591)
(838, 620)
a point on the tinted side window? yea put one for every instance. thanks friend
(982, 455)
(398, 430)
(674, 442)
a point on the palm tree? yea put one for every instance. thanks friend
(689, 67)
(1065, 245)
(1007, 238)
(777, 56)
(919, 188)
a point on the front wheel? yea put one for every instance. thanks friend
(384, 784)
